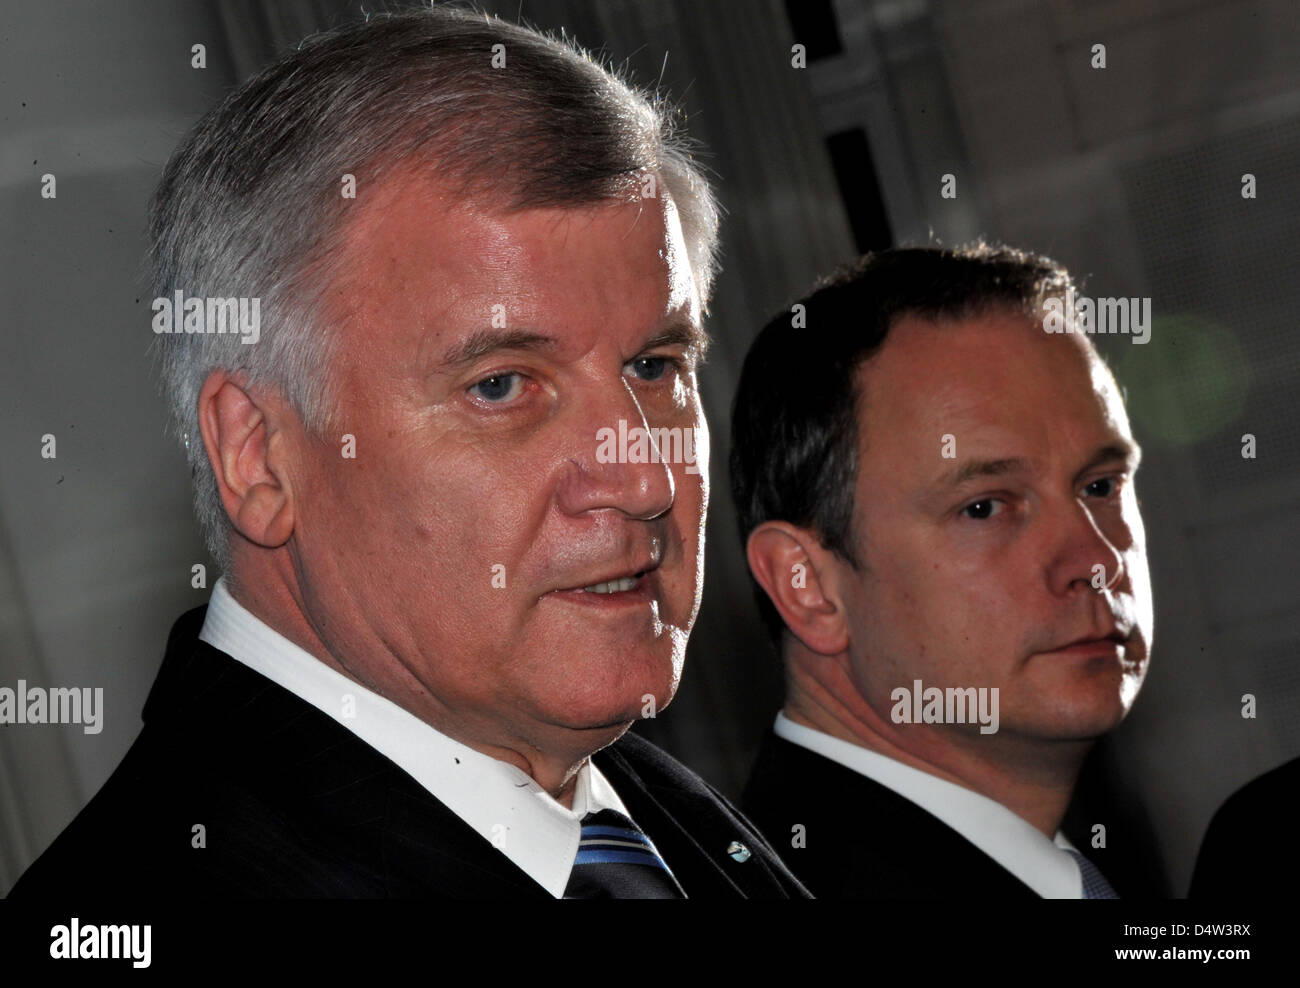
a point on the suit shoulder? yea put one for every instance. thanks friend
(1264, 796)
(175, 819)
(1245, 850)
(1254, 816)
(132, 833)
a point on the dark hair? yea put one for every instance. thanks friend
(794, 424)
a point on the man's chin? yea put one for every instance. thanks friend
(1093, 701)
(621, 715)
(614, 713)
(1074, 722)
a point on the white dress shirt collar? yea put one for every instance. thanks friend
(1021, 848)
(499, 801)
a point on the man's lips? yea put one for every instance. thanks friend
(624, 585)
(1108, 644)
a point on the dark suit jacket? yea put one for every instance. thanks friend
(296, 806)
(863, 840)
(1250, 852)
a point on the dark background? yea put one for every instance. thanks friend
(1130, 175)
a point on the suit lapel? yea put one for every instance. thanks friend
(698, 857)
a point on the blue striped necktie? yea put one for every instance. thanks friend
(617, 861)
(1095, 885)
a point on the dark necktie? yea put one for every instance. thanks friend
(616, 861)
(1095, 885)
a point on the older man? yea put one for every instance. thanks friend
(473, 251)
(936, 492)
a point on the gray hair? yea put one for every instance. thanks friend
(250, 204)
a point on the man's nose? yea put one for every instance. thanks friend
(1085, 555)
(617, 460)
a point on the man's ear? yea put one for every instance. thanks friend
(798, 576)
(246, 450)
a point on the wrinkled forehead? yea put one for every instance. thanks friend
(418, 259)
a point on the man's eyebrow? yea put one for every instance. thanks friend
(1124, 450)
(683, 334)
(980, 468)
(482, 342)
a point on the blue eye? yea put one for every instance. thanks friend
(981, 510)
(497, 388)
(654, 367)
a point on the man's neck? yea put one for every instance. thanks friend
(553, 766)
(1034, 781)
